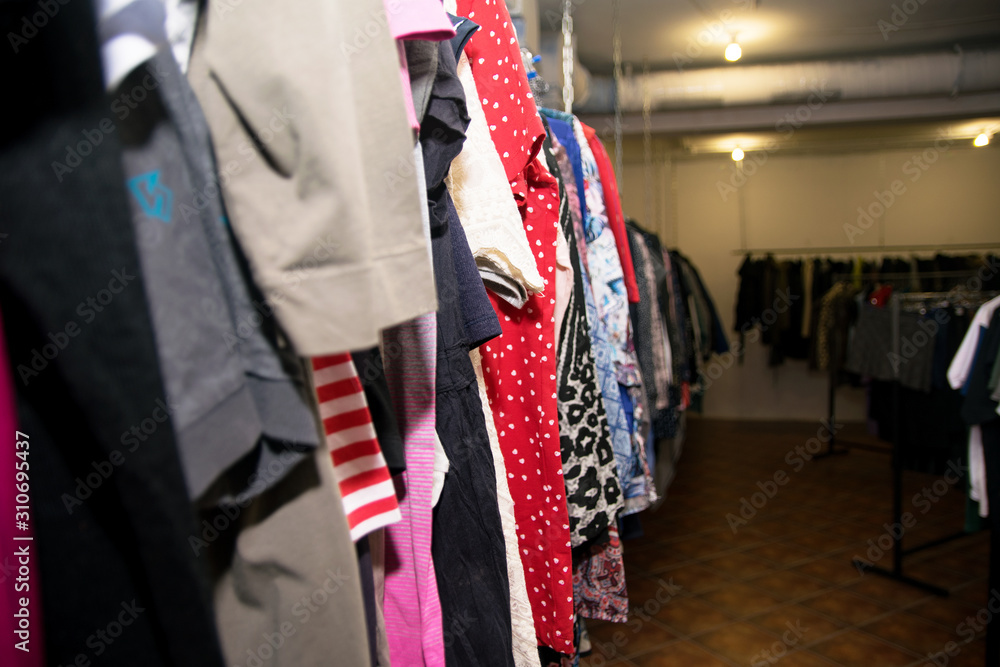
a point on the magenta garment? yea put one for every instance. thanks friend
(412, 606)
(11, 542)
(415, 19)
(419, 19)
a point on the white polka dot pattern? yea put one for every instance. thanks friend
(495, 56)
(521, 386)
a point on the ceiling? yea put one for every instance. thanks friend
(683, 41)
(694, 33)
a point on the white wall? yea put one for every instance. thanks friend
(947, 196)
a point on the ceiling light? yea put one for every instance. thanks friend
(733, 51)
(982, 140)
(737, 153)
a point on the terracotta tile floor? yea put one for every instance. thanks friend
(781, 589)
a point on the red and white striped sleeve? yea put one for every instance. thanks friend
(366, 486)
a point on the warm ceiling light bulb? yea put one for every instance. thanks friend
(982, 140)
(737, 153)
(733, 52)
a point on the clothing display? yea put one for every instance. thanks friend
(326, 340)
(344, 353)
(489, 215)
(877, 332)
(522, 621)
(593, 492)
(808, 314)
(970, 372)
(621, 433)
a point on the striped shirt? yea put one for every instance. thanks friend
(362, 475)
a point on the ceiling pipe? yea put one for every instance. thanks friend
(940, 73)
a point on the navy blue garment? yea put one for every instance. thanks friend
(371, 371)
(470, 557)
(465, 28)
(478, 316)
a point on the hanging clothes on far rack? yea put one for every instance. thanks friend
(960, 372)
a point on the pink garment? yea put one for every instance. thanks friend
(415, 19)
(412, 606)
(14, 541)
(564, 280)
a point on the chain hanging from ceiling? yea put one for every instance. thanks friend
(647, 142)
(616, 39)
(567, 55)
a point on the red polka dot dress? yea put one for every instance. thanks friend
(495, 57)
(520, 372)
(520, 366)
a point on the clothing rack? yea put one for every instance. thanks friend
(898, 551)
(854, 250)
(835, 361)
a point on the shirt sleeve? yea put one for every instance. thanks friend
(613, 208)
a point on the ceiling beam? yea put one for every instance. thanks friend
(783, 116)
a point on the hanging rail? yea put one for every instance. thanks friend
(851, 250)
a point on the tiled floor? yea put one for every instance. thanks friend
(781, 589)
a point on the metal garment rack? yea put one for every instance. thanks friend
(835, 361)
(857, 250)
(898, 551)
